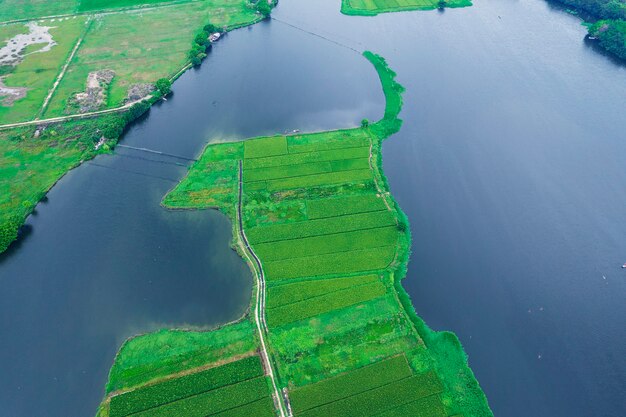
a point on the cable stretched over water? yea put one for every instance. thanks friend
(318, 35)
(143, 174)
(156, 152)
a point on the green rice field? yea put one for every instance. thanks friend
(374, 7)
(229, 389)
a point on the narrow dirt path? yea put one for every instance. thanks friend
(259, 309)
(74, 116)
(64, 69)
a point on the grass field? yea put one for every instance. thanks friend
(334, 246)
(140, 46)
(38, 71)
(374, 7)
(32, 9)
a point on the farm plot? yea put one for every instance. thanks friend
(373, 7)
(208, 392)
(156, 355)
(33, 70)
(333, 246)
(136, 48)
(387, 387)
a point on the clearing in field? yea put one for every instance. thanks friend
(374, 7)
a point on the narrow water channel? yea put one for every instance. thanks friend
(509, 166)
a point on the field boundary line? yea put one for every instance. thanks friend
(317, 255)
(76, 116)
(191, 371)
(373, 283)
(329, 234)
(69, 60)
(259, 309)
(312, 175)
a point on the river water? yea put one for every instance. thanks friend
(509, 166)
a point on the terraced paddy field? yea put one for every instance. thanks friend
(374, 7)
(342, 335)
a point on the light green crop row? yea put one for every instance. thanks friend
(339, 206)
(350, 383)
(324, 303)
(212, 402)
(307, 157)
(380, 399)
(326, 244)
(151, 396)
(319, 227)
(333, 263)
(292, 293)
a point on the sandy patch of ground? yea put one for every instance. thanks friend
(13, 52)
(9, 95)
(139, 91)
(94, 95)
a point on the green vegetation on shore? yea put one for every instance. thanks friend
(374, 7)
(610, 29)
(611, 35)
(343, 336)
(34, 158)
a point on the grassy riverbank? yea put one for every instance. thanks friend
(343, 336)
(374, 7)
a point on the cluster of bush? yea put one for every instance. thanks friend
(603, 9)
(201, 43)
(264, 7)
(611, 35)
(8, 233)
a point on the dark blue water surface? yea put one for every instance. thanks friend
(510, 166)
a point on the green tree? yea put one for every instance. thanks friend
(264, 8)
(164, 85)
(8, 233)
(211, 28)
(365, 123)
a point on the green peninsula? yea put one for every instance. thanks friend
(331, 331)
(374, 7)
